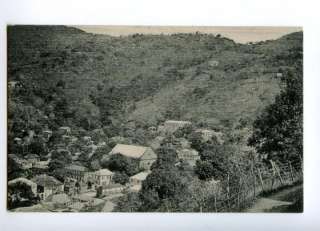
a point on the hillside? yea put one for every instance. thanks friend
(142, 78)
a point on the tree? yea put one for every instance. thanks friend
(99, 192)
(204, 170)
(120, 163)
(166, 158)
(278, 131)
(130, 202)
(120, 178)
(18, 193)
(214, 161)
(163, 187)
(14, 169)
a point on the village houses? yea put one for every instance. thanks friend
(47, 185)
(188, 155)
(135, 181)
(145, 155)
(32, 158)
(170, 126)
(207, 134)
(76, 172)
(103, 177)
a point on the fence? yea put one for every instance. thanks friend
(239, 194)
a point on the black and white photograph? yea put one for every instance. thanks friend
(169, 119)
(159, 115)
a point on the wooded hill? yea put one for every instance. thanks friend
(77, 79)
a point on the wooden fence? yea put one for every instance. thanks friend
(249, 185)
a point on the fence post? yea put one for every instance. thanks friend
(291, 172)
(254, 180)
(261, 180)
(278, 172)
(228, 192)
(215, 202)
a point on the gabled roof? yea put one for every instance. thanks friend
(140, 176)
(131, 151)
(104, 172)
(21, 179)
(31, 156)
(46, 181)
(13, 156)
(76, 168)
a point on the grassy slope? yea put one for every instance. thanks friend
(162, 73)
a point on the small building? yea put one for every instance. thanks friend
(145, 155)
(23, 164)
(47, 185)
(279, 75)
(42, 164)
(208, 134)
(66, 138)
(76, 172)
(213, 63)
(138, 178)
(25, 181)
(17, 140)
(61, 199)
(32, 158)
(152, 129)
(13, 84)
(156, 142)
(47, 134)
(87, 200)
(74, 139)
(65, 130)
(188, 155)
(86, 138)
(103, 177)
(170, 126)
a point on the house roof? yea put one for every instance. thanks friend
(131, 151)
(177, 122)
(31, 156)
(46, 181)
(104, 172)
(65, 127)
(60, 198)
(23, 180)
(189, 151)
(140, 176)
(13, 156)
(76, 168)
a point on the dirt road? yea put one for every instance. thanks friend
(285, 200)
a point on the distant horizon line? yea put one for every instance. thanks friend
(240, 34)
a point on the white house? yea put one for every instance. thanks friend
(145, 155)
(170, 126)
(103, 177)
(136, 180)
(188, 155)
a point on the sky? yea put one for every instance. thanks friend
(238, 34)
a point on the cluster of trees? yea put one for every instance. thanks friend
(20, 194)
(278, 131)
(123, 167)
